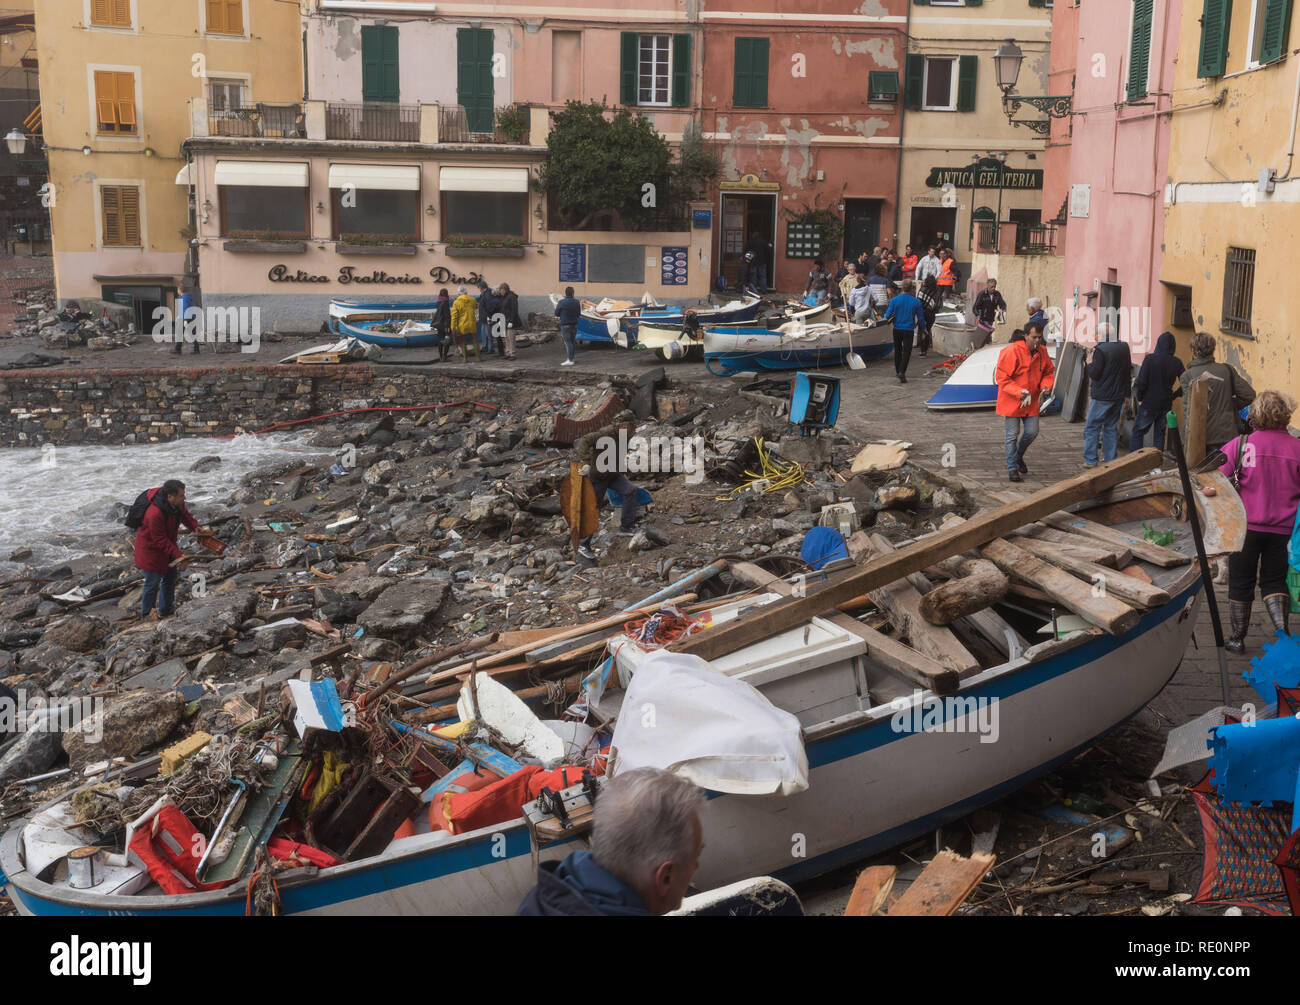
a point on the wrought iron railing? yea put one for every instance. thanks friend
(1036, 239)
(372, 120)
(454, 126)
(278, 121)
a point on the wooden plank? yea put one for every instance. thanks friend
(786, 614)
(889, 653)
(1107, 613)
(1128, 588)
(983, 586)
(870, 891)
(1196, 413)
(1140, 547)
(1089, 549)
(943, 886)
(901, 601)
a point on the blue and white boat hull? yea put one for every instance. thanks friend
(972, 384)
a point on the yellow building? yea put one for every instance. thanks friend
(116, 77)
(954, 117)
(1232, 203)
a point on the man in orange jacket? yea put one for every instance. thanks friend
(1024, 377)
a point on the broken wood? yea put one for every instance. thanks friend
(784, 615)
(1106, 612)
(1128, 588)
(982, 586)
(1089, 549)
(1196, 413)
(943, 886)
(431, 660)
(870, 891)
(1140, 547)
(569, 686)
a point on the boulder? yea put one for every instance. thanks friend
(897, 497)
(380, 474)
(19, 607)
(136, 722)
(406, 609)
(34, 752)
(77, 633)
(366, 588)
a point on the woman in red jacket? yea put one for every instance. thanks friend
(156, 548)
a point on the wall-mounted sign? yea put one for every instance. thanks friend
(702, 219)
(1080, 200)
(573, 263)
(803, 240)
(673, 266)
(749, 183)
(987, 177)
(442, 274)
(348, 275)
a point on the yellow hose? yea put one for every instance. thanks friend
(780, 475)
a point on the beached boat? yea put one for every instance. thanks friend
(670, 341)
(617, 321)
(390, 309)
(792, 346)
(385, 331)
(972, 384)
(884, 760)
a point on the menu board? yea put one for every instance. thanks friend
(672, 262)
(573, 263)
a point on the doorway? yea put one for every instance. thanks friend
(1108, 305)
(143, 300)
(861, 227)
(742, 217)
(931, 224)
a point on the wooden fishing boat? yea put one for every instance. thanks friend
(387, 309)
(385, 331)
(671, 341)
(618, 321)
(792, 346)
(888, 756)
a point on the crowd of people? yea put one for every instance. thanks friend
(485, 324)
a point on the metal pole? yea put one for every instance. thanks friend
(974, 177)
(1176, 443)
(997, 223)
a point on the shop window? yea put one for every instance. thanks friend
(263, 211)
(371, 213)
(484, 214)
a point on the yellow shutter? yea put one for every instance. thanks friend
(112, 215)
(235, 17)
(122, 13)
(100, 12)
(125, 102)
(129, 199)
(106, 100)
(216, 15)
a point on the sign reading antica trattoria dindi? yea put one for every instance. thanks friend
(347, 275)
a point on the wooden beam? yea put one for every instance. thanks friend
(1089, 549)
(786, 614)
(1106, 612)
(1197, 414)
(1140, 547)
(943, 886)
(1128, 588)
(983, 586)
(870, 891)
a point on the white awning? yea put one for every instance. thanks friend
(398, 178)
(183, 176)
(457, 179)
(278, 174)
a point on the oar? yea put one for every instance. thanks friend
(1176, 444)
(852, 359)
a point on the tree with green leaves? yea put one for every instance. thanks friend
(602, 163)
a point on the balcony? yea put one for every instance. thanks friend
(1017, 238)
(510, 124)
(372, 120)
(261, 120)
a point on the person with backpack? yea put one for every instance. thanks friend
(507, 310)
(1229, 392)
(156, 517)
(442, 324)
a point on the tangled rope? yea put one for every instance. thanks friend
(778, 473)
(666, 626)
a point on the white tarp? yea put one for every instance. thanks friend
(681, 715)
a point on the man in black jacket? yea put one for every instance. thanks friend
(1110, 373)
(645, 847)
(1156, 392)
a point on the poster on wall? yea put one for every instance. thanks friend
(673, 264)
(573, 263)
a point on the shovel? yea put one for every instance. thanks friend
(852, 359)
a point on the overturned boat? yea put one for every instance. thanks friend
(792, 346)
(863, 742)
(676, 340)
(386, 309)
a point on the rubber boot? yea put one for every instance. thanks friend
(1240, 615)
(1279, 610)
(501, 347)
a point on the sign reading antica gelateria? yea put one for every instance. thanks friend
(988, 177)
(348, 274)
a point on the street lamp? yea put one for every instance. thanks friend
(16, 142)
(1006, 63)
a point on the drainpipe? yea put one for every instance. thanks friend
(902, 117)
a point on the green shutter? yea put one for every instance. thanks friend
(1215, 18)
(751, 73)
(967, 72)
(921, 3)
(914, 81)
(974, 3)
(1037, 3)
(379, 77)
(474, 86)
(760, 48)
(1277, 25)
(882, 85)
(681, 93)
(628, 67)
(1140, 49)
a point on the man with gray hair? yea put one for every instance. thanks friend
(645, 848)
(1110, 377)
(1036, 313)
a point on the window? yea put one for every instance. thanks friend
(226, 95)
(484, 214)
(882, 85)
(115, 101)
(263, 210)
(379, 79)
(225, 17)
(110, 13)
(652, 70)
(120, 208)
(1270, 24)
(656, 70)
(375, 200)
(750, 85)
(474, 87)
(1139, 56)
(1238, 291)
(1214, 38)
(940, 83)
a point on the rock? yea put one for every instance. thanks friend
(31, 754)
(366, 588)
(640, 542)
(78, 633)
(20, 607)
(808, 451)
(205, 463)
(211, 665)
(406, 609)
(380, 474)
(587, 606)
(880, 457)
(135, 723)
(276, 637)
(944, 499)
(375, 648)
(897, 497)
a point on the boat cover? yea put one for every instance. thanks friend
(681, 715)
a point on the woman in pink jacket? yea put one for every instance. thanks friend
(1268, 465)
